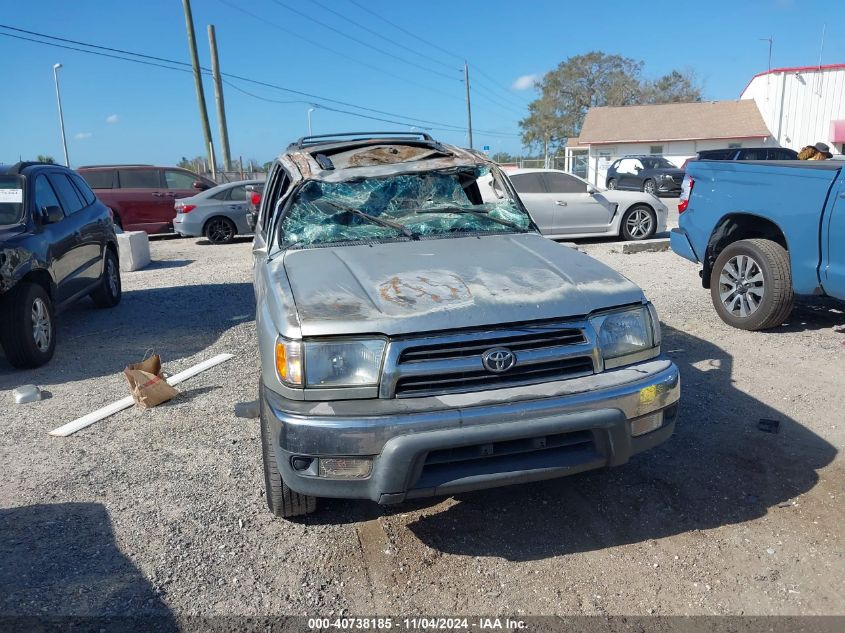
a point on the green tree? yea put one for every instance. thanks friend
(43, 158)
(592, 80)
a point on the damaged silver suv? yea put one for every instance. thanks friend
(416, 340)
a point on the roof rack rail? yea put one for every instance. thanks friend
(320, 139)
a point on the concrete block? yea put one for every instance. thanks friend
(646, 246)
(134, 249)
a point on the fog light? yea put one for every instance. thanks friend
(646, 424)
(345, 467)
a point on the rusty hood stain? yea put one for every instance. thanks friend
(429, 285)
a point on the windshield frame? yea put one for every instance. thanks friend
(284, 207)
(21, 219)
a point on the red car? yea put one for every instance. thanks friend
(141, 196)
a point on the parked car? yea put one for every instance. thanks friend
(764, 232)
(57, 245)
(650, 174)
(218, 213)
(141, 196)
(566, 206)
(416, 340)
(745, 153)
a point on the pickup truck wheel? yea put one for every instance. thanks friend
(638, 223)
(220, 230)
(27, 326)
(108, 293)
(282, 501)
(751, 284)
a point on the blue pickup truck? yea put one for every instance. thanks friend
(764, 232)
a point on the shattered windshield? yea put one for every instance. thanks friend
(406, 206)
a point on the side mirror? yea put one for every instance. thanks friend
(591, 190)
(199, 184)
(52, 214)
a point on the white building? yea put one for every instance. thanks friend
(802, 106)
(674, 130)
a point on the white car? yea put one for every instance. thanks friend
(566, 206)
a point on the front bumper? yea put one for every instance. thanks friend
(475, 441)
(668, 186)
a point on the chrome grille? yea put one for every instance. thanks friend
(451, 363)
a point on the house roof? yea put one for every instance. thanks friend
(673, 122)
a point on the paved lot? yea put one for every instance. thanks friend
(163, 511)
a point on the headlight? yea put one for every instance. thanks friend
(626, 333)
(343, 363)
(350, 363)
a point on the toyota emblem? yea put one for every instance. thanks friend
(498, 360)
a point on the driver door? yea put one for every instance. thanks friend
(532, 192)
(578, 211)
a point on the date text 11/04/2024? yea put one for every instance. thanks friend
(415, 623)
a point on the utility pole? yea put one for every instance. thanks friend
(469, 107)
(195, 62)
(218, 96)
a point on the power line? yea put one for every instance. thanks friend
(342, 54)
(427, 42)
(390, 54)
(184, 67)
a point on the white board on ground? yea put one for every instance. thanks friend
(124, 403)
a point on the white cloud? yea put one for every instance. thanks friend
(81, 136)
(524, 82)
(112, 118)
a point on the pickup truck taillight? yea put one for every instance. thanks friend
(255, 198)
(686, 192)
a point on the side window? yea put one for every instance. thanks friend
(100, 179)
(752, 154)
(238, 194)
(179, 179)
(638, 165)
(71, 200)
(528, 183)
(616, 164)
(275, 189)
(139, 179)
(44, 194)
(83, 189)
(564, 183)
(223, 195)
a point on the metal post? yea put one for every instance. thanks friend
(310, 110)
(469, 107)
(218, 96)
(61, 115)
(213, 162)
(192, 48)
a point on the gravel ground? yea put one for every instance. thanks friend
(162, 511)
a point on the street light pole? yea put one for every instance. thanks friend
(61, 115)
(310, 110)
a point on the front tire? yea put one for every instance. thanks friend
(282, 501)
(27, 326)
(649, 186)
(611, 184)
(751, 285)
(639, 223)
(220, 230)
(108, 294)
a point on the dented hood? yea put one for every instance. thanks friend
(429, 285)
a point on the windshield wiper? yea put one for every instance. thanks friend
(475, 212)
(404, 230)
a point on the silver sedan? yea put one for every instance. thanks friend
(219, 213)
(566, 206)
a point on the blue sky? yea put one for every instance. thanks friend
(117, 111)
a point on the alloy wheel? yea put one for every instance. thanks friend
(220, 231)
(639, 223)
(42, 328)
(649, 187)
(741, 286)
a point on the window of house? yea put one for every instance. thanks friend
(655, 149)
(734, 145)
